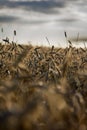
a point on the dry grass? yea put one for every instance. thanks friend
(43, 88)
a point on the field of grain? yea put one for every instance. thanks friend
(43, 88)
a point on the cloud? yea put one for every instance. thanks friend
(8, 19)
(33, 22)
(56, 8)
(68, 20)
(38, 6)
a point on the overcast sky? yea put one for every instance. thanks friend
(36, 19)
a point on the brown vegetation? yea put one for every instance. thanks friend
(43, 88)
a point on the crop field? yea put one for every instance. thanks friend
(42, 88)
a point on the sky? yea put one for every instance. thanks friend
(34, 20)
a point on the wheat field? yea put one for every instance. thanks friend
(42, 88)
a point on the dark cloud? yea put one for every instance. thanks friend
(39, 6)
(68, 20)
(8, 19)
(12, 19)
(47, 7)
